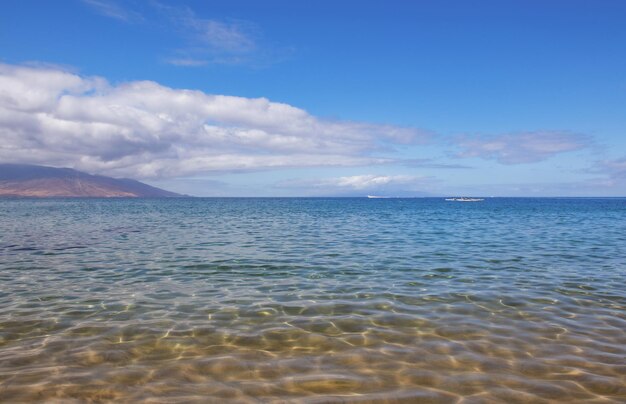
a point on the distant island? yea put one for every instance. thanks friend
(22, 180)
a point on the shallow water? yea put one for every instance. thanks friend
(313, 300)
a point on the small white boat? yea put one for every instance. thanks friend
(465, 199)
(377, 197)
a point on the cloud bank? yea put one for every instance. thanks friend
(520, 148)
(146, 130)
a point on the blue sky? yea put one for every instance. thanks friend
(503, 98)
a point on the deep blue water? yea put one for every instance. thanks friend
(313, 299)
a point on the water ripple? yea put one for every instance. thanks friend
(312, 300)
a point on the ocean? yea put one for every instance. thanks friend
(313, 300)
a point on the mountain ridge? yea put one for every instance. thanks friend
(26, 180)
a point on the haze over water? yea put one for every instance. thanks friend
(313, 300)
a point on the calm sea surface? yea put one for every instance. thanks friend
(313, 300)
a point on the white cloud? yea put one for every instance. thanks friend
(145, 130)
(371, 181)
(388, 185)
(519, 148)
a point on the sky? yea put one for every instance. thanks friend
(321, 98)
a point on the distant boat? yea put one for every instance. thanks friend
(377, 197)
(465, 199)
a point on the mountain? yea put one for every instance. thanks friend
(41, 181)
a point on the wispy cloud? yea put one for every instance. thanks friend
(111, 9)
(613, 171)
(145, 130)
(430, 163)
(603, 178)
(214, 41)
(616, 167)
(232, 37)
(187, 62)
(520, 148)
(201, 41)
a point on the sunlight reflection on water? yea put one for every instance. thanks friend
(312, 300)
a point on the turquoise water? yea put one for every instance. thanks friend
(313, 300)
